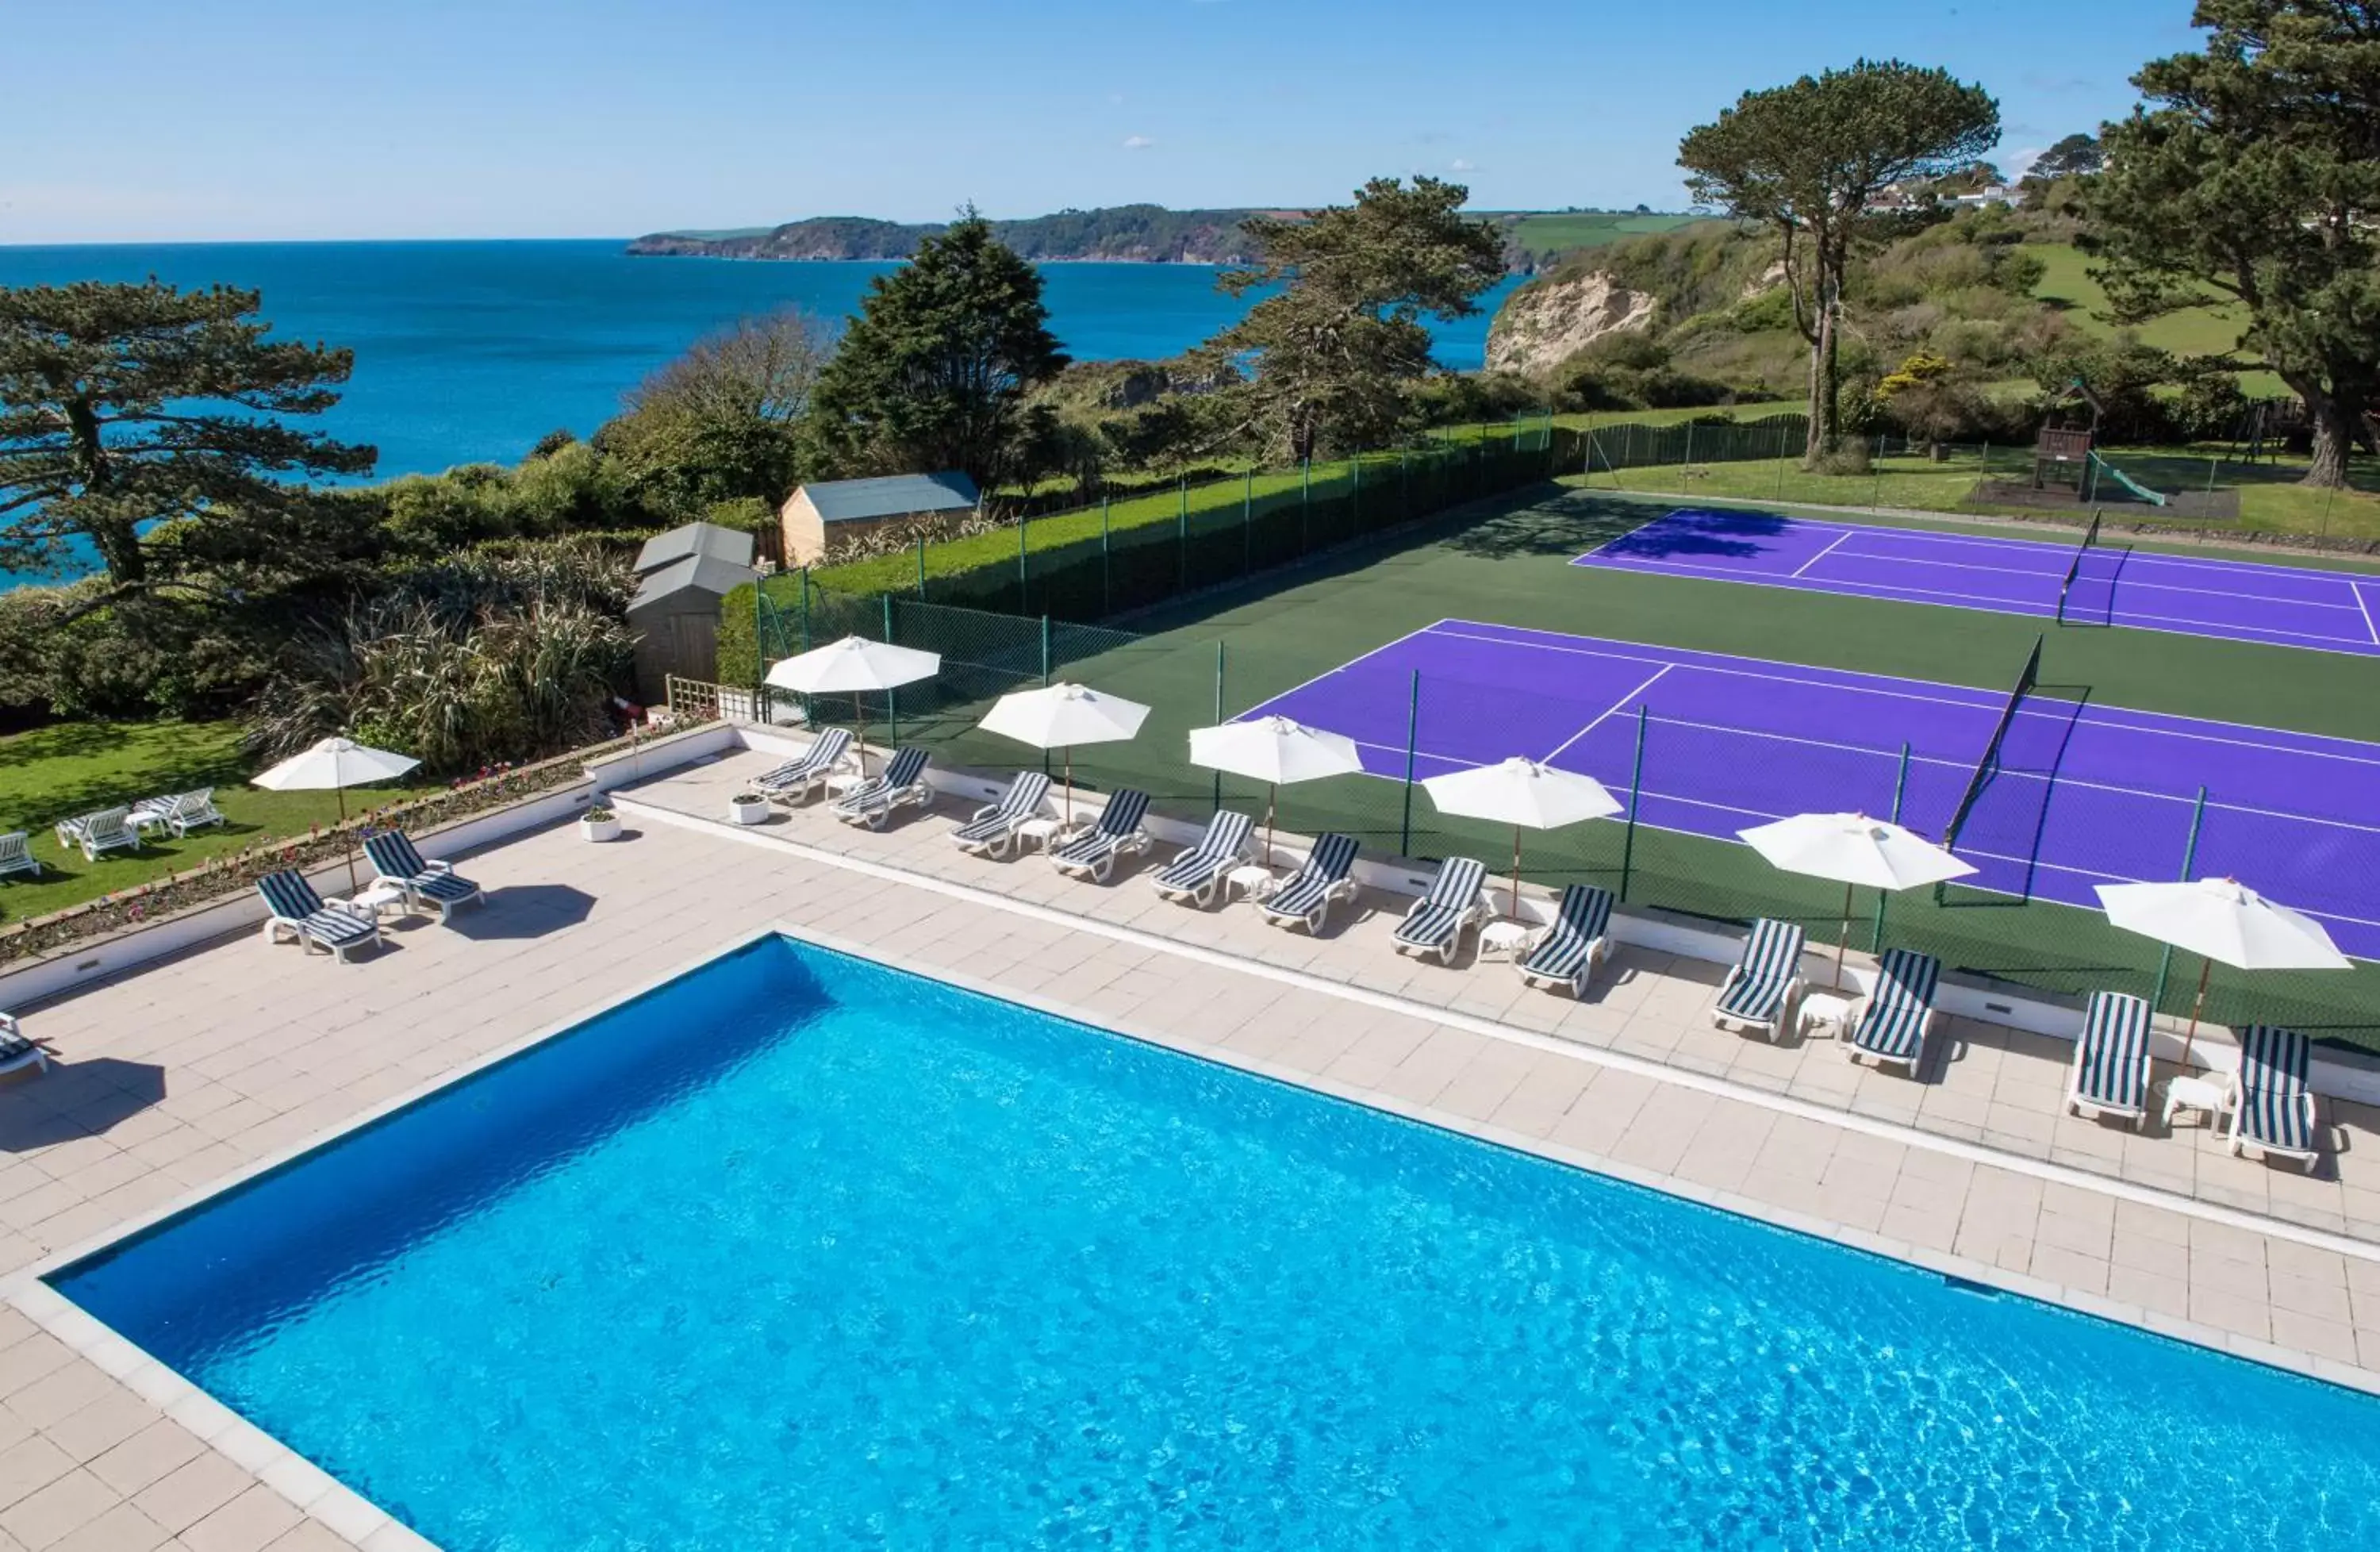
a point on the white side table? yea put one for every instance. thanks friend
(2206, 1095)
(380, 898)
(1824, 1011)
(1251, 880)
(841, 781)
(1043, 833)
(1504, 938)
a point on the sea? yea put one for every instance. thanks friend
(468, 352)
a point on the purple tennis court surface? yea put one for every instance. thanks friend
(2240, 601)
(2083, 794)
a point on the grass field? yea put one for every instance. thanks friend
(1554, 232)
(2213, 329)
(56, 772)
(1508, 562)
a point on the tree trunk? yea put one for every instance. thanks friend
(1823, 358)
(119, 546)
(2334, 432)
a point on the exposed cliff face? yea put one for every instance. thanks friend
(1545, 322)
(1147, 233)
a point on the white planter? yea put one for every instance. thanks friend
(747, 813)
(601, 830)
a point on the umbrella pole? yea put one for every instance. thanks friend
(859, 715)
(353, 887)
(1069, 787)
(2190, 1038)
(1272, 800)
(1843, 943)
(1515, 911)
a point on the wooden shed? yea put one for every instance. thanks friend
(821, 518)
(681, 576)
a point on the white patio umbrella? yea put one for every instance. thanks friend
(1276, 751)
(854, 666)
(1061, 716)
(1853, 849)
(2220, 918)
(1526, 794)
(337, 764)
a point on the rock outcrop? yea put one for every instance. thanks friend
(1543, 323)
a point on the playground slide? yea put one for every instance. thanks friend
(2109, 470)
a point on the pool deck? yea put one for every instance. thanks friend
(173, 1081)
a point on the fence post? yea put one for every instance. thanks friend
(1024, 600)
(1182, 534)
(1636, 795)
(1355, 493)
(1045, 651)
(888, 619)
(1107, 577)
(2188, 860)
(759, 647)
(921, 568)
(1689, 458)
(1305, 504)
(1900, 787)
(1412, 742)
(1218, 717)
(805, 609)
(1404, 488)
(891, 697)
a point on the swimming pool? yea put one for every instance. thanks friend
(800, 1250)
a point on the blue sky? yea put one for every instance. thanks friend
(426, 118)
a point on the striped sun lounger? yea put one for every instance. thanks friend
(2110, 1072)
(1763, 984)
(429, 886)
(1117, 833)
(110, 830)
(1436, 922)
(1196, 873)
(1891, 1023)
(993, 828)
(1305, 900)
(304, 916)
(17, 1049)
(800, 777)
(1571, 949)
(903, 785)
(2274, 1112)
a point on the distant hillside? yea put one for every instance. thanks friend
(1146, 233)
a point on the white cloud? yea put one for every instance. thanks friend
(1138, 143)
(1463, 164)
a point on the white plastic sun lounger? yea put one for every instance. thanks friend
(17, 856)
(305, 917)
(1891, 1022)
(1762, 987)
(1118, 833)
(108, 831)
(1436, 922)
(800, 777)
(2110, 1075)
(993, 828)
(2273, 1110)
(17, 1051)
(428, 885)
(1198, 873)
(1569, 951)
(1325, 879)
(903, 785)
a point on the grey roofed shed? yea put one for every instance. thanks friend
(896, 495)
(732, 545)
(685, 572)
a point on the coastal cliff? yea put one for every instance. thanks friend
(1547, 322)
(1146, 233)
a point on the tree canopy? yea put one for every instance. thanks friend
(1335, 351)
(725, 421)
(933, 372)
(2253, 168)
(1807, 159)
(123, 407)
(2076, 156)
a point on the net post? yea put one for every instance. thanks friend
(2188, 861)
(1412, 743)
(1899, 790)
(1635, 797)
(1219, 715)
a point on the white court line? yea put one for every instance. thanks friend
(1840, 539)
(2171, 625)
(2357, 588)
(1608, 712)
(2130, 583)
(1308, 683)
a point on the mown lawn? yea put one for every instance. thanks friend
(2213, 329)
(56, 772)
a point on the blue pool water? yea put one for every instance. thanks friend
(800, 1251)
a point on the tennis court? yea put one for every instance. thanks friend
(2075, 793)
(2098, 584)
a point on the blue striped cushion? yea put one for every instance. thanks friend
(824, 750)
(403, 859)
(338, 926)
(1018, 803)
(2114, 1054)
(1304, 894)
(1218, 848)
(1118, 823)
(1436, 916)
(1772, 957)
(2273, 1111)
(1894, 1025)
(288, 896)
(444, 886)
(1584, 916)
(1429, 923)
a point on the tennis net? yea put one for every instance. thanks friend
(2075, 567)
(1989, 764)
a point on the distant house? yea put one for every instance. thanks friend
(681, 576)
(824, 517)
